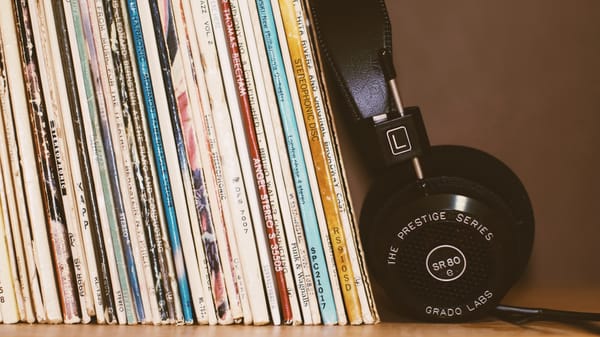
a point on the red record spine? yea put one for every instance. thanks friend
(252, 142)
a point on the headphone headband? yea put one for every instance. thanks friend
(351, 34)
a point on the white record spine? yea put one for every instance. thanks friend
(231, 169)
(33, 195)
(21, 232)
(13, 235)
(8, 299)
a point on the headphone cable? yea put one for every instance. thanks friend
(524, 314)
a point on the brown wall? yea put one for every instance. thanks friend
(519, 79)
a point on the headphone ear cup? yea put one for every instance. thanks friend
(450, 171)
(491, 173)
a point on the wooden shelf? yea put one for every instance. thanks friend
(488, 329)
(567, 298)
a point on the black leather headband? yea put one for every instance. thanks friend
(351, 34)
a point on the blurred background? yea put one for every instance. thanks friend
(520, 80)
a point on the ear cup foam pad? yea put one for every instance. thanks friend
(452, 173)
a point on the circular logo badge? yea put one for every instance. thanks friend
(446, 263)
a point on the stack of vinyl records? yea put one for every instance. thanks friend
(171, 162)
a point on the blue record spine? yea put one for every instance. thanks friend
(160, 158)
(297, 162)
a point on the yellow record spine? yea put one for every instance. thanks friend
(299, 55)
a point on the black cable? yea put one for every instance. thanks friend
(523, 314)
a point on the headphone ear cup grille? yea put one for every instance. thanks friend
(492, 174)
(395, 195)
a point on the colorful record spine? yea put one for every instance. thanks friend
(132, 230)
(193, 177)
(298, 50)
(53, 207)
(121, 120)
(93, 239)
(322, 110)
(157, 213)
(94, 96)
(256, 158)
(48, 309)
(281, 169)
(161, 160)
(265, 153)
(312, 176)
(235, 191)
(199, 154)
(142, 166)
(298, 164)
(107, 232)
(228, 175)
(259, 156)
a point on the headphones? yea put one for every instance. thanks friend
(446, 230)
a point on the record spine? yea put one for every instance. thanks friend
(160, 159)
(106, 104)
(8, 297)
(92, 101)
(21, 233)
(85, 265)
(45, 158)
(50, 309)
(297, 160)
(194, 185)
(14, 242)
(161, 232)
(121, 118)
(199, 154)
(132, 230)
(258, 151)
(278, 152)
(232, 119)
(217, 125)
(144, 183)
(53, 109)
(94, 242)
(324, 116)
(298, 52)
(312, 176)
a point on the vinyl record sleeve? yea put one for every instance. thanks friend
(50, 310)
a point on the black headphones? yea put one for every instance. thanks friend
(447, 230)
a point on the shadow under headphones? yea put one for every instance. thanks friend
(447, 230)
